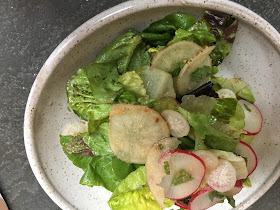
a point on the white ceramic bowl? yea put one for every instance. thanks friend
(255, 57)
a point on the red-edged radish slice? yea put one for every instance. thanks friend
(246, 151)
(225, 93)
(178, 125)
(210, 160)
(155, 170)
(181, 205)
(236, 189)
(253, 118)
(186, 173)
(201, 200)
(223, 178)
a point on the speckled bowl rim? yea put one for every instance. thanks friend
(100, 20)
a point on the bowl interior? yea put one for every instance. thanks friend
(253, 58)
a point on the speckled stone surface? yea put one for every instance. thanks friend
(29, 31)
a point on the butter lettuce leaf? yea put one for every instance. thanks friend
(201, 37)
(132, 194)
(140, 58)
(225, 109)
(131, 81)
(98, 141)
(163, 30)
(103, 73)
(107, 171)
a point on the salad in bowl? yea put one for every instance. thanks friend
(160, 127)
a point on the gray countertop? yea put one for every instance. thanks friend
(29, 31)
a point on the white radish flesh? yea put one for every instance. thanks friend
(169, 58)
(238, 162)
(223, 178)
(200, 200)
(154, 169)
(184, 82)
(178, 125)
(253, 118)
(191, 164)
(158, 83)
(225, 93)
(210, 160)
(133, 129)
(246, 151)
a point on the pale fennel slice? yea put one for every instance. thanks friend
(183, 82)
(133, 130)
(169, 58)
(158, 83)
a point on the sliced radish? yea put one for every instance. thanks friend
(184, 83)
(225, 93)
(210, 160)
(170, 57)
(223, 178)
(158, 83)
(246, 151)
(238, 162)
(178, 125)
(133, 129)
(236, 189)
(181, 204)
(154, 169)
(200, 200)
(185, 175)
(253, 118)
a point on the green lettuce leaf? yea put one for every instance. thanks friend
(107, 171)
(237, 120)
(225, 109)
(132, 193)
(103, 73)
(98, 141)
(131, 81)
(224, 27)
(79, 95)
(216, 139)
(239, 87)
(140, 58)
(212, 29)
(205, 134)
(201, 73)
(162, 31)
(200, 124)
(201, 37)
(198, 105)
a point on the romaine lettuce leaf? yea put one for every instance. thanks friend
(107, 171)
(132, 194)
